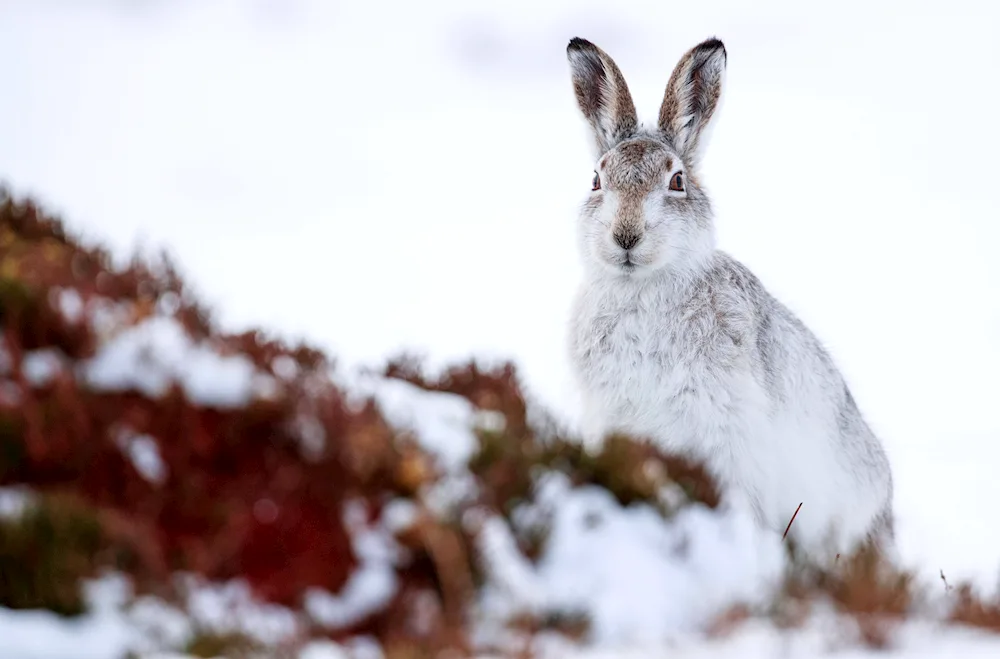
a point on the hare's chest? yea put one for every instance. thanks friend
(645, 372)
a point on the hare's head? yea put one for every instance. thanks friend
(646, 210)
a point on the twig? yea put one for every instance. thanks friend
(947, 586)
(790, 521)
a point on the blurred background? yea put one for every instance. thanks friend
(378, 176)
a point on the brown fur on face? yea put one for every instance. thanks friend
(634, 169)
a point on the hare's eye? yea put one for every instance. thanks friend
(596, 185)
(677, 182)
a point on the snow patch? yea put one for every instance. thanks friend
(821, 637)
(69, 303)
(156, 353)
(168, 304)
(159, 624)
(310, 432)
(106, 317)
(15, 500)
(285, 367)
(323, 650)
(371, 586)
(441, 422)
(231, 607)
(144, 453)
(637, 577)
(361, 647)
(399, 515)
(40, 367)
(102, 633)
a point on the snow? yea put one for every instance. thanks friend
(285, 367)
(108, 634)
(230, 607)
(144, 453)
(115, 625)
(825, 638)
(168, 304)
(208, 607)
(399, 515)
(157, 353)
(370, 587)
(107, 317)
(103, 633)
(637, 579)
(848, 179)
(324, 650)
(70, 304)
(310, 433)
(14, 500)
(441, 423)
(40, 367)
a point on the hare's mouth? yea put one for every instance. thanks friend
(625, 263)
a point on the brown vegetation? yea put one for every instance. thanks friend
(248, 492)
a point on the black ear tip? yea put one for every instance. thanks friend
(711, 44)
(578, 43)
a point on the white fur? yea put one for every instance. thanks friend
(687, 348)
(667, 376)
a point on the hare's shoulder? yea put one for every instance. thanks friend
(779, 342)
(730, 300)
(733, 283)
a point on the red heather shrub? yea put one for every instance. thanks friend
(245, 493)
(249, 492)
(240, 497)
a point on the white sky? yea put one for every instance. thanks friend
(380, 175)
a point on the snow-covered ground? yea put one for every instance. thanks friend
(376, 152)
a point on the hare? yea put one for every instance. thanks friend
(675, 341)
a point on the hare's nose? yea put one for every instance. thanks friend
(627, 240)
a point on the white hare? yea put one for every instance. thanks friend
(676, 341)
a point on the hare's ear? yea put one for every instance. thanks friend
(602, 94)
(692, 97)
